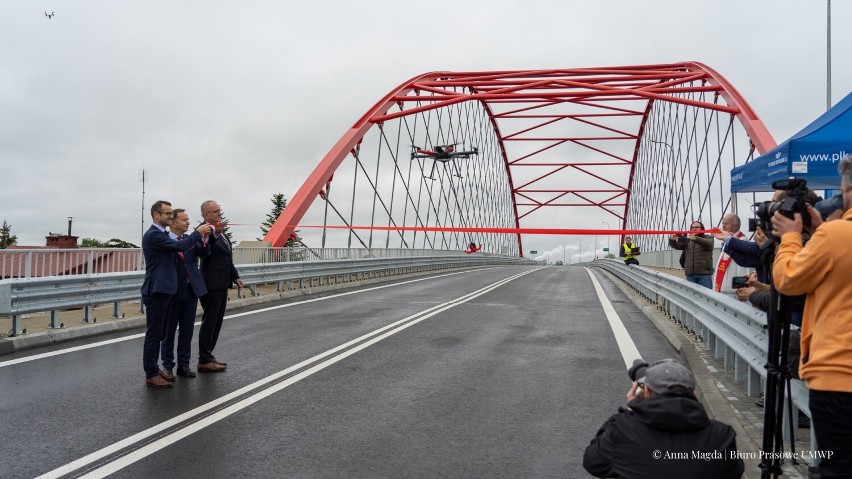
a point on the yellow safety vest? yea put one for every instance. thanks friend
(627, 252)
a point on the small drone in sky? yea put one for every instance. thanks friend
(442, 153)
(48, 15)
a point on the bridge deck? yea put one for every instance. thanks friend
(513, 382)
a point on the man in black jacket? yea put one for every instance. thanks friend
(219, 275)
(664, 432)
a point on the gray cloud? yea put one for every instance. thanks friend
(239, 100)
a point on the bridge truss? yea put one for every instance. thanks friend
(637, 147)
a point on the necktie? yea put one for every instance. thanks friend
(180, 253)
(182, 259)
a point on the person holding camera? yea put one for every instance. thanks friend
(664, 431)
(697, 256)
(822, 270)
(629, 252)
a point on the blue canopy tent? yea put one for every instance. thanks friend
(811, 154)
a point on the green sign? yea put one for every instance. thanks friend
(606, 249)
(533, 252)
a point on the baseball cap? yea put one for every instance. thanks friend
(664, 374)
(827, 206)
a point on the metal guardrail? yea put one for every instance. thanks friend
(20, 296)
(735, 332)
(40, 262)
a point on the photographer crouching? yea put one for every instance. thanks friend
(822, 270)
(664, 431)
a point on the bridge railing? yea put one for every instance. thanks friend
(40, 262)
(735, 332)
(19, 296)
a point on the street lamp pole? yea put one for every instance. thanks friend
(607, 237)
(580, 248)
(828, 56)
(596, 246)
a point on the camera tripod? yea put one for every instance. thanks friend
(778, 376)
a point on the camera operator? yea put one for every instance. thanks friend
(697, 255)
(663, 432)
(751, 254)
(629, 252)
(822, 269)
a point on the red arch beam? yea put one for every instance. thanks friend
(532, 90)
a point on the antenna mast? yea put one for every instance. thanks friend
(142, 228)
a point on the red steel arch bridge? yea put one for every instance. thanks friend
(646, 147)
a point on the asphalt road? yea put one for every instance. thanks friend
(498, 373)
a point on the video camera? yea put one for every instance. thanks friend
(681, 240)
(798, 197)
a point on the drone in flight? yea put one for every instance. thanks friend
(443, 153)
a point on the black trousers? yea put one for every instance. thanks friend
(157, 310)
(630, 261)
(831, 417)
(182, 317)
(213, 303)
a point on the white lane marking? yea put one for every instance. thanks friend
(148, 449)
(35, 357)
(622, 337)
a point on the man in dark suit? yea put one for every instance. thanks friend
(185, 301)
(219, 275)
(160, 284)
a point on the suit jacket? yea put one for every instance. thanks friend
(189, 266)
(217, 268)
(160, 255)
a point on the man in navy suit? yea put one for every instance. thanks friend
(219, 275)
(161, 280)
(185, 301)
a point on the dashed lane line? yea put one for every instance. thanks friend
(83, 467)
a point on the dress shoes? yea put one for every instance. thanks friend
(185, 371)
(220, 363)
(211, 367)
(157, 382)
(168, 374)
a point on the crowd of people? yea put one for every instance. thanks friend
(809, 261)
(173, 286)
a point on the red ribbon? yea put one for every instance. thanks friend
(526, 231)
(229, 224)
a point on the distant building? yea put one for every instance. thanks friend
(55, 240)
(60, 256)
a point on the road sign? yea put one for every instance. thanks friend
(605, 250)
(533, 252)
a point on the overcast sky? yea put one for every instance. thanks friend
(239, 100)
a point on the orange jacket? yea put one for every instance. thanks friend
(823, 271)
